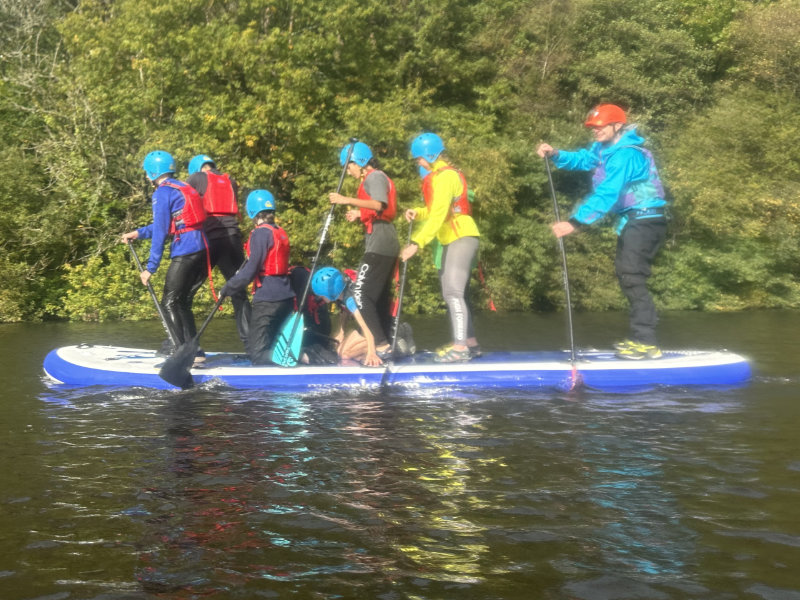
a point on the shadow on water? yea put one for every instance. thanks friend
(447, 493)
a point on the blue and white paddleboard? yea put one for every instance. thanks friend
(85, 365)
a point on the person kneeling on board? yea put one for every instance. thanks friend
(328, 283)
(319, 348)
(267, 267)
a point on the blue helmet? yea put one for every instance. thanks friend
(198, 161)
(361, 154)
(428, 146)
(328, 282)
(157, 163)
(259, 200)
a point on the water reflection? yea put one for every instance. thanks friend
(229, 471)
(226, 493)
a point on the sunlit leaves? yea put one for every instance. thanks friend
(272, 89)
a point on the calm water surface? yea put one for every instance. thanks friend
(222, 493)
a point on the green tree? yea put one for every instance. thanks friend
(273, 89)
(38, 229)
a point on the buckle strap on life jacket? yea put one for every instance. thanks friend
(645, 213)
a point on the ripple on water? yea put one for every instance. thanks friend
(431, 494)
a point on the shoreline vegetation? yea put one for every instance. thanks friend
(274, 89)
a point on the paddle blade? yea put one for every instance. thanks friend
(175, 369)
(289, 341)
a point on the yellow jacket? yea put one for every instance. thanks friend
(446, 187)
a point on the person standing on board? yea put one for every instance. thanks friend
(177, 213)
(625, 182)
(220, 195)
(375, 206)
(267, 267)
(447, 217)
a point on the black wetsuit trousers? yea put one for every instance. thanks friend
(373, 294)
(637, 246)
(227, 254)
(185, 275)
(265, 324)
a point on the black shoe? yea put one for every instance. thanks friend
(167, 349)
(405, 340)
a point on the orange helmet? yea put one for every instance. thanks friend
(604, 114)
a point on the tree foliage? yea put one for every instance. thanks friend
(273, 88)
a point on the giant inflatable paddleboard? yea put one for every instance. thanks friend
(86, 365)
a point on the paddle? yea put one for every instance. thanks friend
(384, 379)
(289, 340)
(565, 274)
(400, 291)
(175, 369)
(159, 308)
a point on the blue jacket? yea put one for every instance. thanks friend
(625, 180)
(167, 200)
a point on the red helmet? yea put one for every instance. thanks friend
(605, 114)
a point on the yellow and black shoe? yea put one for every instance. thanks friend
(624, 344)
(474, 351)
(443, 349)
(452, 355)
(639, 351)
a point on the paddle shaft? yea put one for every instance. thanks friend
(323, 235)
(208, 318)
(564, 270)
(400, 292)
(150, 289)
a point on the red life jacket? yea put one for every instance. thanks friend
(368, 215)
(276, 262)
(219, 198)
(458, 205)
(192, 215)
